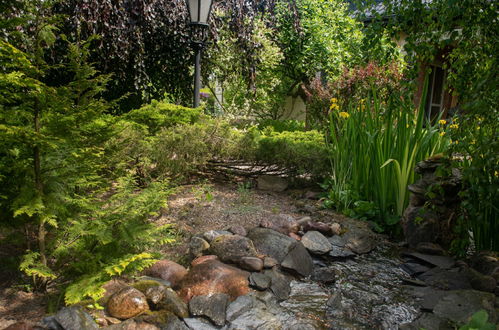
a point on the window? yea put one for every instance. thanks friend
(435, 95)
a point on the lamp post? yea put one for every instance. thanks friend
(199, 12)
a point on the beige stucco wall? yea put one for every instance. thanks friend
(294, 108)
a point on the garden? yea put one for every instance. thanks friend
(340, 172)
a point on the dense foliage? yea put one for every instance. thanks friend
(463, 36)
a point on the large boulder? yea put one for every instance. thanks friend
(167, 270)
(231, 248)
(458, 306)
(286, 250)
(210, 276)
(127, 303)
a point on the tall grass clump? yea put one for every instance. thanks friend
(374, 145)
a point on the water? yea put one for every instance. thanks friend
(368, 294)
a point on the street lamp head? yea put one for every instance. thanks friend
(199, 11)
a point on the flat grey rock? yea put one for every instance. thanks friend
(438, 261)
(213, 307)
(458, 306)
(75, 318)
(259, 281)
(316, 243)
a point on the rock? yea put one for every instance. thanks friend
(271, 183)
(431, 298)
(173, 303)
(427, 321)
(279, 284)
(414, 268)
(199, 324)
(231, 248)
(479, 281)
(132, 325)
(259, 281)
(20, 326)
(212, 306)
(271, 243)
(50, 323)
(337, 240)
(155, 294)
(445, 279)
(295, 236)
(430, 248)
(238, 230)
(127, 303)
(202, 259)
(325, 275)
(167, 270)
(486, 263)
(303, 221)
(420, 225)
(252, 264)
(212, 276)
(339, 250)
(281, 223)
(111, 287)
(165, 320)
(360, 240)
(289, 252)
(318, 226)
(197, 246)
(336, 228)
(438, 261)
(458, 306)
(298, 260)
(145, 282)
(240, 306)
(75, 318)
(316, 243)
(269, 262)
(212, 234)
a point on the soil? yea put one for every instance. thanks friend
(193, 209)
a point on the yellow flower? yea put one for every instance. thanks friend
(442, 121)
(344, 114)
(442, 133)
(334, 106)
(454, 126)
(496, 174)
(334, 100)
(477, 128)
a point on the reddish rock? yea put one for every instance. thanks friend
(202, 259)
(295, 236)
(211, 276)
(321, 227)
(167, 270)
(252, 264)
(127, 303)
(282, 224)
(111, 288)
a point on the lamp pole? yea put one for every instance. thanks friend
(199, 13)
(197, 73)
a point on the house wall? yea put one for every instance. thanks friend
(294, 108)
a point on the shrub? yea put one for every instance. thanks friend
(158, 115)
(299, 152)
